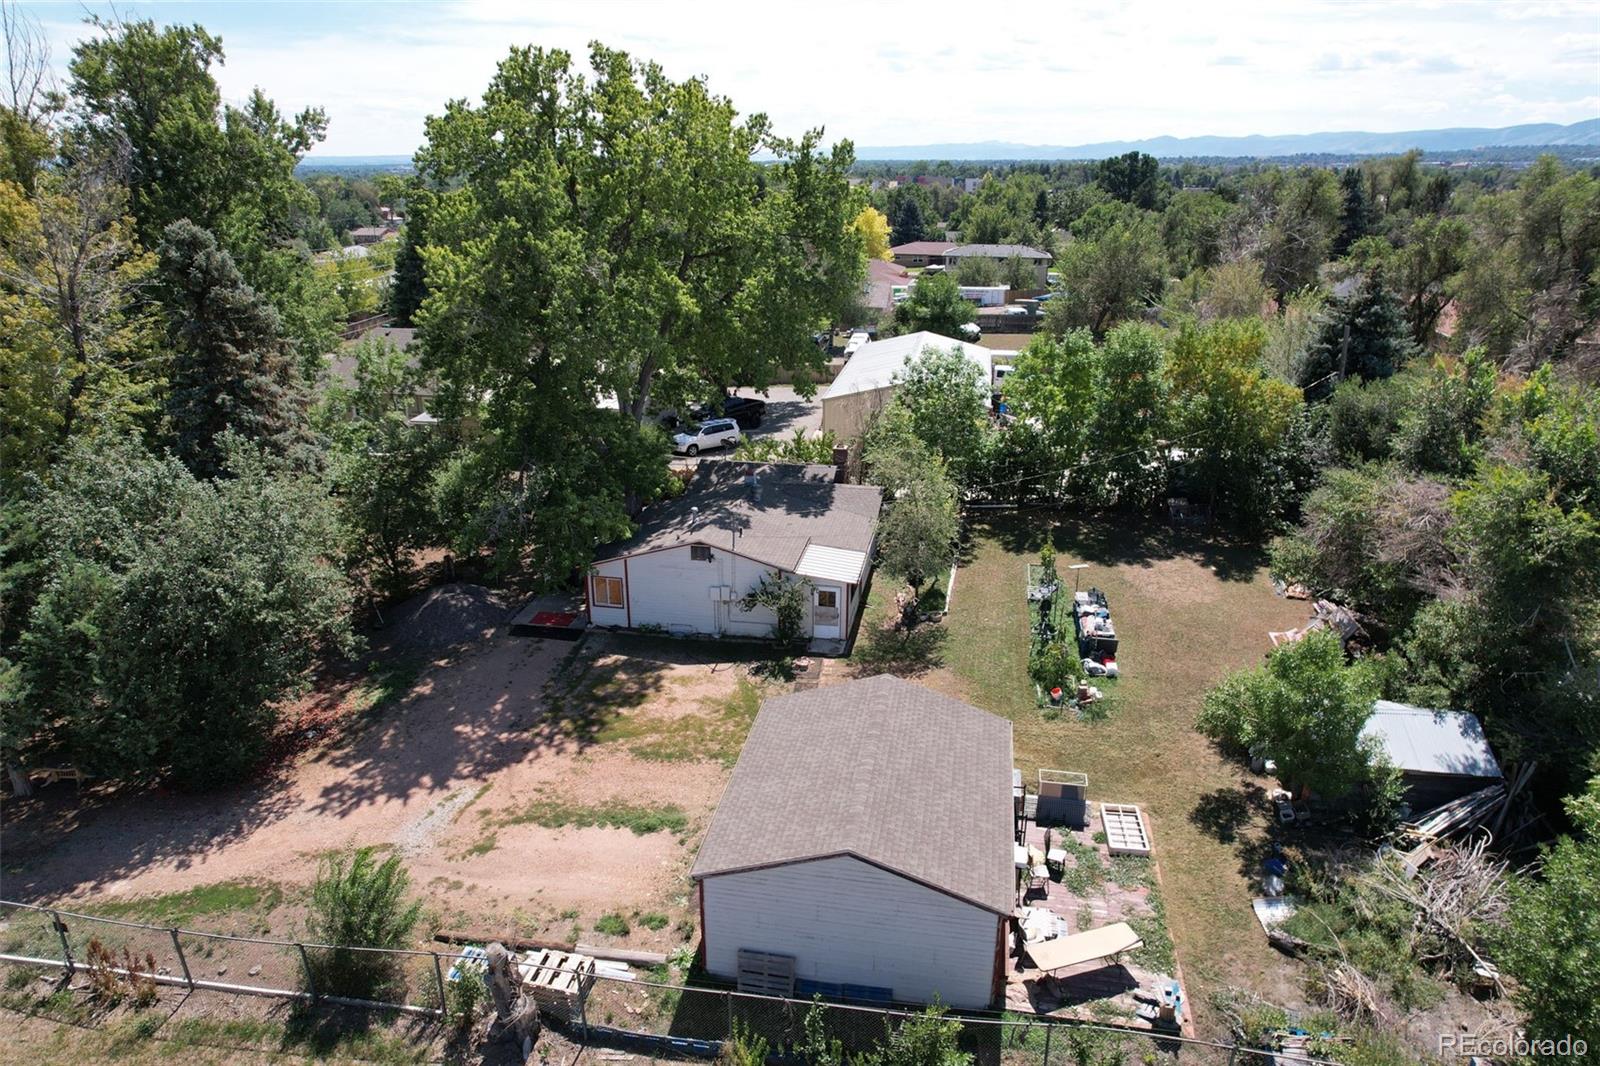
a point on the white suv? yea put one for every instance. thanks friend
(717, 433)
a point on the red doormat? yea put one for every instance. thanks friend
(552, 618)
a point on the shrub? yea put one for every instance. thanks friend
(358, 902)
(742, 1047)
(612, 925)
(464, 997)
(786, 600)
(1056, 663)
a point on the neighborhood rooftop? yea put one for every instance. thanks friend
(881, 769)
(875, 365)
(787, 509)
(1418, 740)
(995, 251)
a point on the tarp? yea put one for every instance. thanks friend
(1100, 943)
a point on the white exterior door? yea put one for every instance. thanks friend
(827, 612)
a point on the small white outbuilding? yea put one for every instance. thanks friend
(867, 382)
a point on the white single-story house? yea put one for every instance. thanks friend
(697, 555)
(1440, 754)
(863, 849)
(866, 383)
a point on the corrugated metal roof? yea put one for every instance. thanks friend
(831, 564)
(882, 769)
(1419, 740)
(875, 365)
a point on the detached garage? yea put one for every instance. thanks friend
(863, 849)
(867, 383)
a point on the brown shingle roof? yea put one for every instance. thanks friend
(922, 247)
(796, 505)
(881, 769)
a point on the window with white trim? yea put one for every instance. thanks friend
(700, 553)
(607, 591)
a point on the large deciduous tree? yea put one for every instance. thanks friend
(935, 305)
(1109, 276)
(1305, 709)
(229, 169)
(947, 397)
(610, 234)
(1231, 416)
(77, 341)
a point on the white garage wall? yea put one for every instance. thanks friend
(673, 590)
(847, 921)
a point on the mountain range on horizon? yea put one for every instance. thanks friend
(1350, 142)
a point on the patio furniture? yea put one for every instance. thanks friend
(1056, 858)
(1019, 857)
(1040, 878)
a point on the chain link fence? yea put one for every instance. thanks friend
(644, 1010)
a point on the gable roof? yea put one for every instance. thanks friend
(922, 247)
(874, 365)
(882, 277)
(342, 364)
(1421, 741)
(792, 508)
(881, 769)
(997, 251)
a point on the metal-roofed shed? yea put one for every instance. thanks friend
(1441, 754)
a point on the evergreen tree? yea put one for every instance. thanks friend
(232, 371)
(908, 224)
(409, 287)
(1355, 221)
(1365, 335)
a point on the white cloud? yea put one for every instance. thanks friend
(941, 71)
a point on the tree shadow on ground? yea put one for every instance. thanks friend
(1223, 812)
(902, 652)
(1120, 539)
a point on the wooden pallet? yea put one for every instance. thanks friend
(557, 980)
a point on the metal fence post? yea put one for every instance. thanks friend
(66, 948)
(305, 960)
(1049, 1031)
(728, 1032)
(438, 977)
(177, 946)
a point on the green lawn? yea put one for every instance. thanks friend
(1187, 610)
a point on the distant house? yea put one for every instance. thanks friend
(999, 254)
(1440, 754)
(866, 383)
(372, 234)
(342, 370)
(921, 253)
(969, 184)
(696, 556)
(863, 849)
(883, 279)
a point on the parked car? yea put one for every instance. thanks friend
(745, 410)
(716, 433)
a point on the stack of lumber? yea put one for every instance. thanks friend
(556, 980)
(1461, 813)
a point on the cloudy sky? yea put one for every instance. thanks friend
(928, 71)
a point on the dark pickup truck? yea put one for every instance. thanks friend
(745, 410)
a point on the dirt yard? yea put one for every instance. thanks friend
(527, 785)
